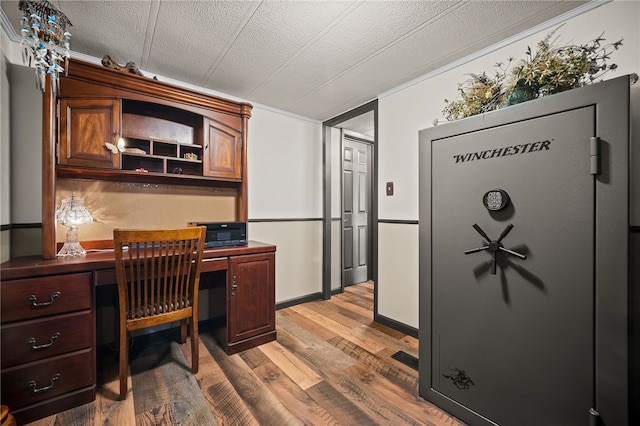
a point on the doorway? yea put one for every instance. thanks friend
(350, 248)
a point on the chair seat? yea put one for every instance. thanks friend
(156, 309)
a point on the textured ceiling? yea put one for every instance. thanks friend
(316, 59)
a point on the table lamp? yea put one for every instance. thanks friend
(71, 214)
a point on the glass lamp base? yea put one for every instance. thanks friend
(72, 247)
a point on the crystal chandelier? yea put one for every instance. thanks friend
(45, 39)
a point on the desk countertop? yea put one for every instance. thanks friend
(33, 266)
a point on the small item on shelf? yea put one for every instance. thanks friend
(161, 139)
(130, 67)
(190, 156)
(142, 169)
(177, 171)
(135, 151)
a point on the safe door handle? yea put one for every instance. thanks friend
(514, 253)
(481, 232)
(34, 390)
(34, 347)
(475, 250)
(505, 232)
(34, 300)
(494, 246)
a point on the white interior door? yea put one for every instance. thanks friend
(356, 204)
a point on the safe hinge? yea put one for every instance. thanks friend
(595, 155)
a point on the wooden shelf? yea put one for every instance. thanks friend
(161, 156)
(73, 172)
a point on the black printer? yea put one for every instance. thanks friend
(224, 234)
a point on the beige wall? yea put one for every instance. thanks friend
(285, 197)
(298, 255)
(5, 245)
(398, 272)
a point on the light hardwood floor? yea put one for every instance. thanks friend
(330, 365)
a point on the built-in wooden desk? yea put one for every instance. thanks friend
(48, 315)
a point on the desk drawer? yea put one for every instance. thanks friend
(33, 340)
(38, 297)
(37, 381)
(215, 264)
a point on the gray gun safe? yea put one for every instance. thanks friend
(524, 255)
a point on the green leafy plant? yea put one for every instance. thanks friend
(550, 69)
(554, 69)
(480, 93)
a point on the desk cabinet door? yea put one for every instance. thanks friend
(251, 296)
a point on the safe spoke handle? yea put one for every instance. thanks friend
(494, 246)
(514, 253)
(481, 232)
(505, 232)
(475, 250)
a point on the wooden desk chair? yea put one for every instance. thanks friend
(158, 275)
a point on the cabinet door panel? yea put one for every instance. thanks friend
(222, 155)
(85, 126)
(251, 296)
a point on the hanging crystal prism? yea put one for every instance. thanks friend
(45, 40)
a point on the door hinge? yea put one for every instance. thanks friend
(595, 155)
(594, 417)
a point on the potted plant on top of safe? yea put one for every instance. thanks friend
(480, 93)
(552, 68)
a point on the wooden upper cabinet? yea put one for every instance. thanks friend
(222, 154)
(85, 125)
(173, 136)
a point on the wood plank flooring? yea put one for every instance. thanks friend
(330, 365)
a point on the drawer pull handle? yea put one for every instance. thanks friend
(32, 342)
(34, 304)
(32, 384)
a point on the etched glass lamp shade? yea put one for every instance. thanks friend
(71, 214)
